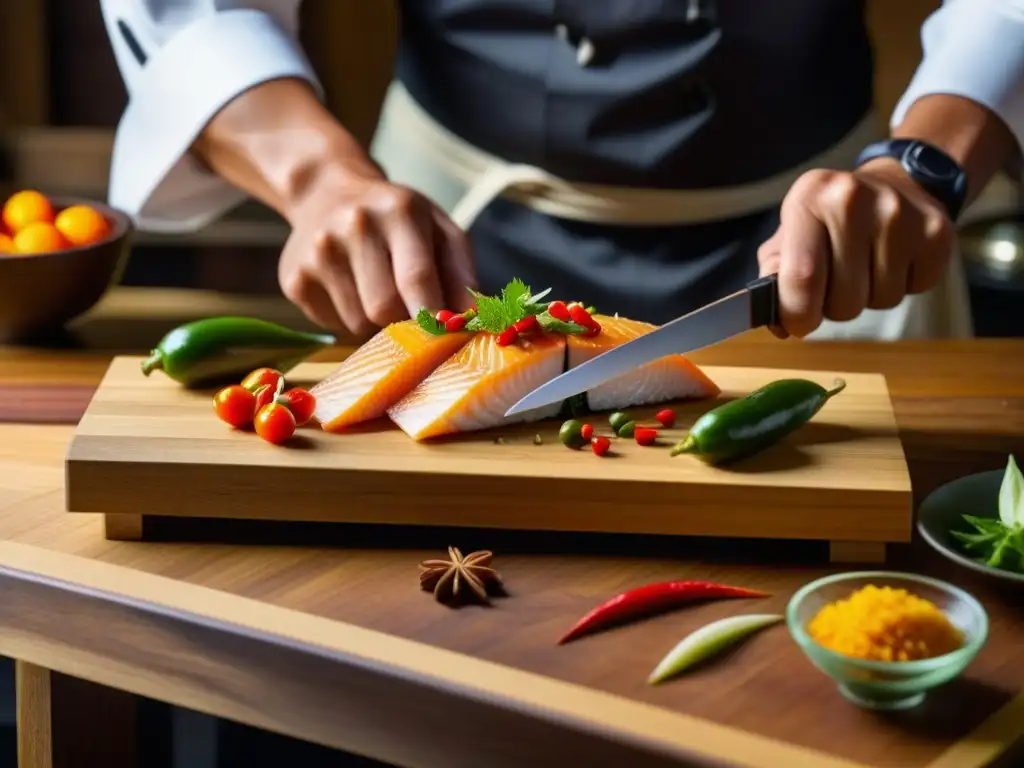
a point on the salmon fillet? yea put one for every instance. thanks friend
(474, 388)
(380, 373)
(668, 378)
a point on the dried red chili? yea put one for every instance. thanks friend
(651, 599)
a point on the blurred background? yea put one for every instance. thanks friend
(61, 97)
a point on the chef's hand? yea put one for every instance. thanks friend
(854, 241)
(364, 253)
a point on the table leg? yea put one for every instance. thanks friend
(35, 734)
(64, 722)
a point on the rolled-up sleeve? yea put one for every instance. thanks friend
(182, 61)
(974, 49)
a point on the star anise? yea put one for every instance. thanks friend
(460, 577)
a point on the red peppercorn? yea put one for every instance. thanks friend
(526, 325)
(645, 435)
(508, 336)
(587, 431)
(666, 417)
(600, 445)
(557, 310)
(444, 315)
(455, 323)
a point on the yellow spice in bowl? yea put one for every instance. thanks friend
(885, 624)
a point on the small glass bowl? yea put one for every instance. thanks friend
(888, 685)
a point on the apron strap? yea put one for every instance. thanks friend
(486, 177)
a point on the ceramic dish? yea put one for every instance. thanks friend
(888, 685)
(943, 512)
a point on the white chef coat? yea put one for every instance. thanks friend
(183, 60)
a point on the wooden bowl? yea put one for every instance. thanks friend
(43, 292)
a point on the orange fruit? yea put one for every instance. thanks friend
(82, 224)
(39, 237)
(6, 244)
(24, 208)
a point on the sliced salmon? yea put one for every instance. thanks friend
(668, 378)
(380, 373)
(478, 384)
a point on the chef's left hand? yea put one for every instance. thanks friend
(854, 241)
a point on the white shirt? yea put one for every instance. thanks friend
(183, 60)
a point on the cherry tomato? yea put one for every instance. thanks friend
(444, 315)
(275, 423)
(301, 403)
(455, 323)
(666, 417)
(262, 376)
(600, 445)
(587, 431)
(235, 405)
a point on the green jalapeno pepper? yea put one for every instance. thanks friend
(746, 426)
(222, 349)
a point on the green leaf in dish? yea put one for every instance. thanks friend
(1011, 496)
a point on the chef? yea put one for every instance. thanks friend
(646, 157)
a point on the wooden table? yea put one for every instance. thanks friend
(323, 635)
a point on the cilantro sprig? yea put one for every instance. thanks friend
(430, 323)
(999, 543)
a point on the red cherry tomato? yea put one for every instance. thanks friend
(600, 445)
(261, 377)
(275, 423)
(235, 405)
(444, 315)
(666, 417)
(455, 323)
(301, 403)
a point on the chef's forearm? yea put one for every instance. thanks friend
(275, 140)
(971, 134)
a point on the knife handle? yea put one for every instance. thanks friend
(764, 301)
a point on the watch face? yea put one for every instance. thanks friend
(930, 163)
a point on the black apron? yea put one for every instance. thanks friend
(678, 94)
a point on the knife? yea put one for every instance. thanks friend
(755, 306)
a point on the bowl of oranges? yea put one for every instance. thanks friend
(58, 257)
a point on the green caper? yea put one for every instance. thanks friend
(571, 434)
(627, 429)
(617, 419)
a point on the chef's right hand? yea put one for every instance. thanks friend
(364, 253)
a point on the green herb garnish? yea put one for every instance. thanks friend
(496, 313)
(429, 323)
(999, 543)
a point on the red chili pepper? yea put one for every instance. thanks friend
(580, 316)
(645, 435)
(455, 323)
(666, 417)
(600, 445)
(651, 599)
(508, 336)
(526, 325)
(587, 431)
(444, 315)
(558, 310)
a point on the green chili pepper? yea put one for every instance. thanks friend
(626, 430)
(744, 427)
(221, 349)
(617, 419)
(708, 641)
(571, 434)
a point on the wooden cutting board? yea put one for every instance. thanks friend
(146, 446)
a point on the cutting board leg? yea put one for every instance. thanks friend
(123, 527)
(856, 551)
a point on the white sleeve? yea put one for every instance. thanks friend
(182, 61)
(973, 49)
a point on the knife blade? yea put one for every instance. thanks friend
(752, 307)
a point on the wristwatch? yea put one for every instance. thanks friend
(930, 167)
